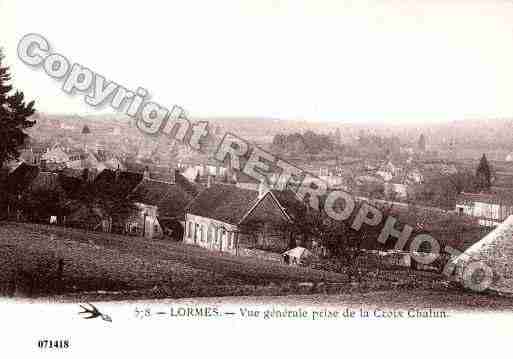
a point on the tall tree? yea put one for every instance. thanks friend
(85, 130)
(483, 175)
(14, 114)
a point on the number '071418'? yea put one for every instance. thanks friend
(53, 344)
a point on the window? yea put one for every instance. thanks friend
(209, 234)
(133, 227)
(196, 234)
(224, 239)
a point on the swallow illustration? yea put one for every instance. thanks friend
(94, 313)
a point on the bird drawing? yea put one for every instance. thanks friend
(94, 313)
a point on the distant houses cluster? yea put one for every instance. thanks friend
(204, 203)
(220, 209)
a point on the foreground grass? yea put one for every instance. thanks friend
(40, 260)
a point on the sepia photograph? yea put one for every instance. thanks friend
(245, 178)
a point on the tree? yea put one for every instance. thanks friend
(14, 114)
(39, 204)
(483, 175)
(342, 243)
(85, 130)
(107, 202)
(116, 204)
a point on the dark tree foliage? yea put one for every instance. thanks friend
(309, 142)
(483, 175)
(40, 204)
(378, 145)
(442, 191)
(343, 243)
(14, 114)
(110, 201)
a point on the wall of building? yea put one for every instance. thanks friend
(145, 219)
(489, 214)
(55, 155)
(269, 223)
(211, 234)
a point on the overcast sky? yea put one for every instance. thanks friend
(313, 60)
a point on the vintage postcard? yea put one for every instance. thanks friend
(243, 178)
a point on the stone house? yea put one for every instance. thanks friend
(228, 218)
(160, 206)
(490, 209)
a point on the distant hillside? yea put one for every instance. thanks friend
(463, 139)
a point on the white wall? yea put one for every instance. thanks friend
(210, 233)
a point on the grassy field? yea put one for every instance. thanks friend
(39, 260)
(42, 261)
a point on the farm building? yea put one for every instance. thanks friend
(490, 208)
(298, 256)
(161, 206)
(227, 218)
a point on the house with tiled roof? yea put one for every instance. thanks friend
(490, 209)
(229, 218)
(124, 181)
(161, 203)
(32, 154)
